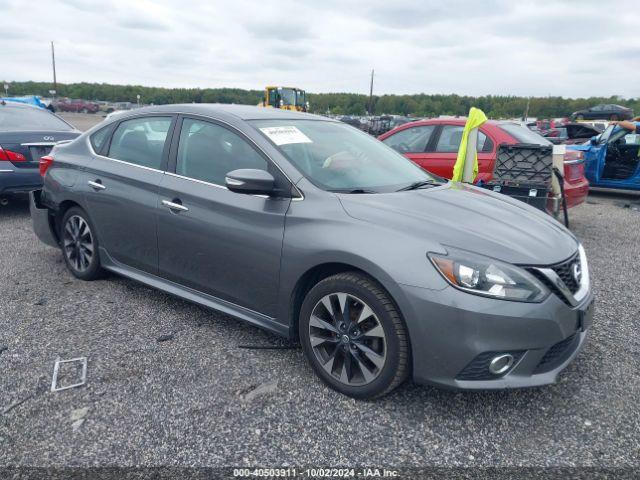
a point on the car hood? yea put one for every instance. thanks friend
(469, 218)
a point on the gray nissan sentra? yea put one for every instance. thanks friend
(316, 231)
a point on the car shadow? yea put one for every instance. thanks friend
(15, 206)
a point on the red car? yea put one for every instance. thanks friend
(80, 106)
(433, 144)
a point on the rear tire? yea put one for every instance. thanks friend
(353, 336)
(79, 245)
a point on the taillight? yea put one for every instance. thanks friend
(8, 155)
(45, 163)
(573, 165)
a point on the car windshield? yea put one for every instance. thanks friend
(523, 134)
(30, 119)
(288, 96)
(612, 134)
(337, 157)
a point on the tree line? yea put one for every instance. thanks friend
(419, 105)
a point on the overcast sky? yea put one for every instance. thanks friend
(569, 48)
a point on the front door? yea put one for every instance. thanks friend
(443, 150)
(122, 188)
(213, 240)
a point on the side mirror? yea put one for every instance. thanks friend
(594, 141)
(250, 181)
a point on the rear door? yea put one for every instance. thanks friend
(213, 240)
(443, 150)
(121, 189)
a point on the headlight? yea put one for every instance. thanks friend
(488, 277)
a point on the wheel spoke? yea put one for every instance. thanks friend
(375, 331)
(347, 366)
(366, 373)
(342, 301)
(365, 313)
(376, 358)
(316, 340)
(328, 364)
(319, 323)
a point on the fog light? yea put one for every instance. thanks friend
(501, 364)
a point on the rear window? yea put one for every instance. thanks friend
(25, 118)
(523, 134)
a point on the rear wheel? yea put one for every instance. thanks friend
(80, 245)
(353, 336)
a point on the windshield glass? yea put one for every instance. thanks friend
(337, 157)
(30, 119)
(288, 96)
(523, 134)
(611, 134)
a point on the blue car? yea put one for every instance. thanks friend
(612, 159)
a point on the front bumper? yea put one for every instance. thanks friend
(18, 180)
(454, 333)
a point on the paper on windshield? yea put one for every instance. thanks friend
(285, 135)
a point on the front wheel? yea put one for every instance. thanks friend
(80, 245)
(353, 336)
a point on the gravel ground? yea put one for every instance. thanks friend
(192, 400)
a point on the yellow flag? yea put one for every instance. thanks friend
(475, 119)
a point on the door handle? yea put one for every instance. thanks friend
(97, 185)
(175, 207)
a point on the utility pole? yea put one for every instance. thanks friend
(53, 64)
(371, 95)
(526, 112)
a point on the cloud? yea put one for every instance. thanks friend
(542, 47)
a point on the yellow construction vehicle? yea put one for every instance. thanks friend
(287, 98)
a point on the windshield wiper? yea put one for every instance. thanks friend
(420, 184)
(355, 190)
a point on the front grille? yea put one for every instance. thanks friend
(564, 270)
(478, 368)
(557, 354)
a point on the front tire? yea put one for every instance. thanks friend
(79, 245)
(353, 336)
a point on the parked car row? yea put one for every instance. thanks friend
(433, 144)
(375, 125)
(313, 230)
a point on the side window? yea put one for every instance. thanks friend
(208, 152)
(140, 141)
(99, 138)
(451, 136)
(410, 140)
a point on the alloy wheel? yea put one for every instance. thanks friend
(347, 339)
(78, 243)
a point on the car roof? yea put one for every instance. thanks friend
(219, 110)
